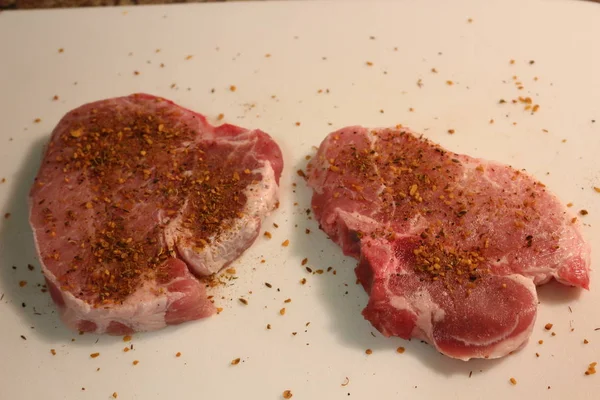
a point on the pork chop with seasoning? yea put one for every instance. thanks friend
(450, 247)
(135, 199)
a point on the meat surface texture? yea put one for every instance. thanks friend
(450, 247)
(135, 199)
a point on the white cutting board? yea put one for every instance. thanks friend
(313, 46)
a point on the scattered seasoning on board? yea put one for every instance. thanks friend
(597, 189)
(37, 120)
(585, 341)
(267, 284)
(368, 352)
(55, 98)
(400, 350)
(235, 361)
(583, 212)
(115, 395)
(548, 326)
(287, 394)
(286, 243)
(540, 341)
(297, 123)
(178, 354)
(591, 369)
(243, 301)
(513, 381)
(135, 362)
(94, 355)
(22, 283)
(61, 50)
(451, 131)
(268, 235)
(53, 352)
(7, 216)
(232, 88)
(220, 117)
(282, 311)
(189, 57)
(304, 261)
(127, 338)
(449, 83)
(369, 63)
(136, 72)
(287, 301)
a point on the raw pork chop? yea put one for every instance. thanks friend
(134, 197)
(450, 247)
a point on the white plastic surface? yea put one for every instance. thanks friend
(313, 46)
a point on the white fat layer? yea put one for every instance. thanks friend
(261, 198)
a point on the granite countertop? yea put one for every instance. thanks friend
(30, 4)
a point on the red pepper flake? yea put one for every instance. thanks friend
(94, 355)
(368, 352)
(287, 394)
(400, 350)
(178, 354)
(232, 88)
(236, 361)
(548, 326)
(513, 381)
(135, 362)
(591, 369)
(22, 283)
(53, 352)
(286, 243)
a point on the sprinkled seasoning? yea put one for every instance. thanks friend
(591, 369)
(232, 88)
(368, 352)
(94, 355)
(178, 354)
(369, 63)
(583, 212)
(282, 311)
(400, 350)
(268, 235)
(243, 301)
(287, 394)
(115, 395)
(286, 243)
(235, 361)
(513, 381)
(53, 352)
(548, 326)
(127, 338)
(135, 362)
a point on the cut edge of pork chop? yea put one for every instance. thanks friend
(178, 296)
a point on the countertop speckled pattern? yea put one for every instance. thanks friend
(31, 4)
